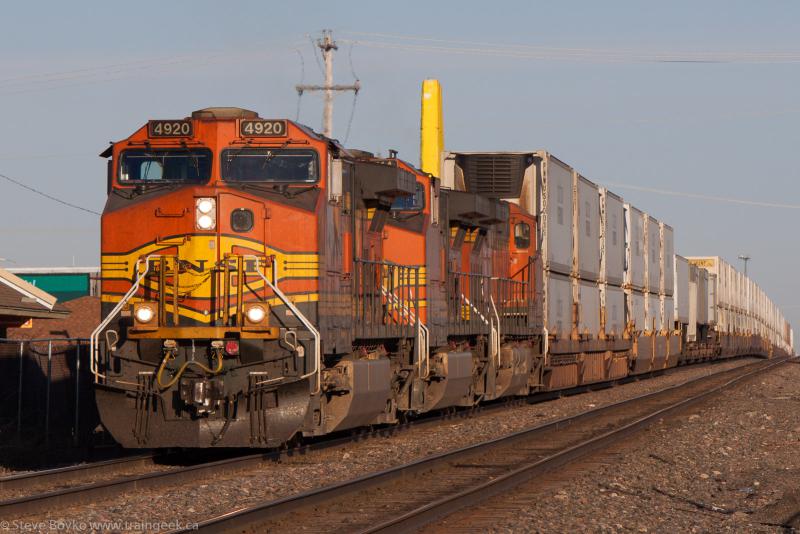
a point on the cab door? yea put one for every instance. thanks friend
(522, 243)
(524, 261)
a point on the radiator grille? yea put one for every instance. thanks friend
(494, 175)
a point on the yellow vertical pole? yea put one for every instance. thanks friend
(431, 134)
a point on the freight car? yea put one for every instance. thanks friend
(260, 281)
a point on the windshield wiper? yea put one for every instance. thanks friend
(276, 189)
(231, 153)
(291, 193)
(127, 194)
(141, 189)
(195, 158)
(403, 216)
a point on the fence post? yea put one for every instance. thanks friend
(19, 390)
(47, 397)
(77, 391)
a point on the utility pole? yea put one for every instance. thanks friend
(328, 45)
(745, 258)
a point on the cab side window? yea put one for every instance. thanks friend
(522, 235)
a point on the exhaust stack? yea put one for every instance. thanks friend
(431, 128)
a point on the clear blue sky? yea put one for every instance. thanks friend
(77, 75)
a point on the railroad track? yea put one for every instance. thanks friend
(71, 473)
(76, 484)
(67, 486)
(413, 495)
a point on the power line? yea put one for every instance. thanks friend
(567, 54)
(700, 196)
(112, 72)
(47, 156)
(302, 79)
(45, 195)
(316, 57)
(350, 120)
(480, 43)
(350, 60)
(356, 81)
(90, 71)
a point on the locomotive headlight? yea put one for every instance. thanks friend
(205, 222)
(145, 315)
(205, 213)
(256, 314)
(256, 317)
(205, 205)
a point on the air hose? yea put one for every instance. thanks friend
(171, 356)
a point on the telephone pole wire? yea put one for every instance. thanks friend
(327, 45)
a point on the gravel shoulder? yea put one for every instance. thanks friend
(223, 493)
(727, 465)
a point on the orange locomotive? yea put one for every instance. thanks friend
(260, 280)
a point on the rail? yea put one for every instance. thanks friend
(476, 301)
(595, 436)
(94, 348)
(386, 299)
(515, 302)
(239, 271)
(423, 351)
(422, 342)
(467, 303)
(495, 336)
(72, 473)
(68, 489)
(317, 371)
(443, 475)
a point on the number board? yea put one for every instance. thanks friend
(178, 128)
(262, 128)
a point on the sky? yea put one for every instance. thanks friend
(651, 98)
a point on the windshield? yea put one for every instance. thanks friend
(269, 165)
(165, 165)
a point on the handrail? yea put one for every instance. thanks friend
(471, 305)
(396, 301)
(423, 351)
(423, 347)
(309, 326)
(495, 333)
(527, 265)
(93, 343)
(546, 344)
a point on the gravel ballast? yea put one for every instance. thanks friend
(215, 495)
(729, 464)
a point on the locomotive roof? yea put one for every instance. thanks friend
(232, 113)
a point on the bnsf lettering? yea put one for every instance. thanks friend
(198, 268)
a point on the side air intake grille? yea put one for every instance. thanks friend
(494, 175)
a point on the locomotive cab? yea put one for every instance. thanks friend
(210, 281)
